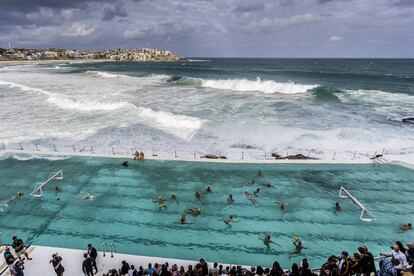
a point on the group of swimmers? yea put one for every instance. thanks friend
(138, 155)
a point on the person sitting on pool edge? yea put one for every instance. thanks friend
(136, 155)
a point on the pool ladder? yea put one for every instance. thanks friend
(111, 247)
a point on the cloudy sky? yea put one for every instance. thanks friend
(238, 28)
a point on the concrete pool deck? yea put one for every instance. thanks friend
(73, 258)
(405, 160)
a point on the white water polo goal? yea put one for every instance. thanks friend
(38, 190)
(366, 215)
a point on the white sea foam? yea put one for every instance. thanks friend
(103, 74)
(83, 105)
(265, 86)
(27, 156)
(181, 126)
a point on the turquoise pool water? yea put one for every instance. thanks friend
(123, 210)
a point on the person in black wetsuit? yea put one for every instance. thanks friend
(87, 265)
(93, 254)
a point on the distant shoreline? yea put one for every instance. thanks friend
(47, 61)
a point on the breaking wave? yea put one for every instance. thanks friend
(103, 74)
(258, 85)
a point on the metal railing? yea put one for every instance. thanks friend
(236, 154)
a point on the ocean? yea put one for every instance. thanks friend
(225, 106)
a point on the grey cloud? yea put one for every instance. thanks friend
(253, 7)
(117, 10)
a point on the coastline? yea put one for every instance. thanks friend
(51, 61)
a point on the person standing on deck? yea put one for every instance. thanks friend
(18, 247)
(57, 264)
(87, 265)
(93, 254)
(18, 269)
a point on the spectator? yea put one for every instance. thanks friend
(402, 248)
(388, 267)
(164, 271)
(124, 268)
(366, 262)
(276, 270)
(18, 269)
(259, 271)
(295, 270)
(140, 271)
(410, 252)
(174, 270)
(8, 257)
(355, 264)
(398, 255)
(132, 271)
(149, 269)
(87, 265)
(305, 270)
(18, 247)
(190, 271)
(156, 270)
(93, 254)
(182, 271)
(204, 267)
(214, 271)
(330, 268)
(57, 264)
(220, 269)
(344, 267)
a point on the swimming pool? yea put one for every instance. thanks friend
(123, 210)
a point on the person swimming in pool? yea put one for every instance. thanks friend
(125, 164)
(174, 197)
(208, 189)
(259, 173)
(161, 203)
(338, 208)
(253, 182)
(14, 198)
(194, 211)
(57, 190)
(198, 195)
(230, 199)
(406, 226)
(248, 195)
(87, 196)
(298, 246)
(255, 193)
(283, 206)
(267, 240)
(229, 220)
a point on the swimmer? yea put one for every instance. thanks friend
(260, 173)
(229, 220)
(161, 203)
(183, 219)
(17, 196)
(253, 182)
(298, 245)
(198, 195)
(208, 189)
(256, 192)
(230, 199)
(125, 163)
(57, 191)
(250, 196)
(406, 226)
(87, 196)
(174, 197)
(194, 211)
(338, 208)
(267, 240)
(283, 206)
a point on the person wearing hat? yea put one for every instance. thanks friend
(344, 266)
